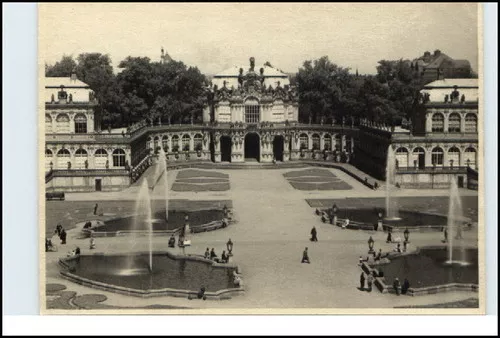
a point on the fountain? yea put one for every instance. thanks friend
(391, 205)
(161, 173)
(454, 227)
(143, 220)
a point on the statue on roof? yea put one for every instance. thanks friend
(252, 64)
(62, 95)
(240, 78)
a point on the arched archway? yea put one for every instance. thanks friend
(278, 147)
(252, 147)
(225, 148)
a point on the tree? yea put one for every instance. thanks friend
(62, 68)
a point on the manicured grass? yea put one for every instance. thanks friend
(191, 173)
(309, 172)
(199, 187)
(321, 186)
(315, 179)
(200, 180)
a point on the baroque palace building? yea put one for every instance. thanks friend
(251, 115)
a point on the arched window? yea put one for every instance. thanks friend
(164, 143)
(118, 158)
(62, 123)
(471, 123)
(338, 142)
(470, 158)
(80, 124)
(186, 140)
(175, 143)
(198, 142)
(157, 142)
(80, 158)
(418, 157)
(454, 155)
(48, 124)
(315, 142)
(454, 122)
(100, 158)
(304, 141)
(437, 156)
(149, 143)
(402, 157)
(438, 122)
(63, 157)
(328, 142)
(252, 111)
(48, 159)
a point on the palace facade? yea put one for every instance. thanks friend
(251, 115)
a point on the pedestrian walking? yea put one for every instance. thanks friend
(362, 281)
(314, 234)
(305, 257)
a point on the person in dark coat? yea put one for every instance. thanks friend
(201, 294)
(405, 287)
(389, 237)
(223, 257)
(379, 255)
(171, 241)
(305, 257)
(77, 251)
(314, 234)
(213, 254)
(63, 236)
(207, 253)
(95, 209)
(362, 281)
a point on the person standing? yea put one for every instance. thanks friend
(305, 257)
(397, 286)
(389, 237)
(207, 253)
(63, 236)
(95, 209)
(370, 282)
(314, 234)
(405, 287)
(362, 281)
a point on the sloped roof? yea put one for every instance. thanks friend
(64, 81)
(436, 63)
(461, 63)
(235, 71)
(440, 88)
(450, 83)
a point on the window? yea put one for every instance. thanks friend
(471, 123)
(437, 156)
(157, 142)
(119, 158)
(328, 142)
(100, 158)
(315, 142)
(48, 124)
(470, 157)
(454, 155)
(80, 158)
(454, 123)
(198, 142)
(186, 140)
(338, 142)
(252, 111)
(418, 157)
(48, 159)
(164, 143)
(80, 124)
(62, 123)
(175, 143)
(402, 156)
(63, 157)
(304, 141)
(438, 122)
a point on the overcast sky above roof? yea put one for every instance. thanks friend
(214, 37)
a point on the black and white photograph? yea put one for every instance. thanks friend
(230, 158)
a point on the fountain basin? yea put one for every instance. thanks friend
(135, 224)
(172, 275)
(428, 271)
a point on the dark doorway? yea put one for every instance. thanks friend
(460, 181)
(252, 146)
(98, 184)
(212, 149)
(278, 148)
(421, 161)
(225, 148)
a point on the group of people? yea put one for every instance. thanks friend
(74, 253)
(61, 233)
(369, 279)
(210, 254)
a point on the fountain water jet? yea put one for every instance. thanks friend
(161, 174)
(391, 205)
(143, 219)
(454, 227)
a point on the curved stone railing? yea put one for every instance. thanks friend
(217, 295)
(380, 282)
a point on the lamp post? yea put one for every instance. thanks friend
(407, 235)
(229, 246)
(370, 245)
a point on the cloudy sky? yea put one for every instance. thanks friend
(217, 36)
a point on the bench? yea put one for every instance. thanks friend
(54, 196)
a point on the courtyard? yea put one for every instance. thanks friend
(273, 223)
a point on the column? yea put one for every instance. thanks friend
(428, 122)
(71, 123)
(322, 141)
(342, 143)
(446, 124)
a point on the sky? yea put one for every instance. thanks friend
(216, 36)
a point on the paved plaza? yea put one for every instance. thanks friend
(274, 221)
